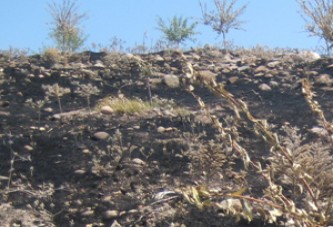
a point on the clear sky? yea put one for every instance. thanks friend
(274, 23)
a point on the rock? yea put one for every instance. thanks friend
(206, 75)
(311, 73)
(80, 171)
(158, 58)
(309, 56)
(107, 110)
(265, 87)
(86, 151)
(323, 79)
(87, 212)
(233, 79)
(99, 65)
(196, 57)
(171, 80)
(243, 68)
(273, 83)
(261, 69)
(273, 64)
(319, 131)
(160, 129)
(48, 110)
(28, 148)
(89, 73)
(138, 161)
(110, 214)
(101, 135)
(115, 224)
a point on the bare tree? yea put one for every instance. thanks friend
(318, 15)
(224, 17)
(66, 20)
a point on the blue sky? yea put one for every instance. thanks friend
(274, 23)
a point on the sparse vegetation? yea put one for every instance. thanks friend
(56, 91)
(125, 105)
(51, 56)
(178, 30)
(175, 138)
(65, 29)
(293, 190)
(87, 90)
(318, 15)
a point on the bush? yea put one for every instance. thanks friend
(66, 31)
(51, 56)
(318, 15)
(178, 30)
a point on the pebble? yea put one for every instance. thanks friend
(101, 135)
(323, 79)
(80, 171)
(273, 83)
(107, 110)
(28, 148)
(87, 213)
(138, 161)
(261, 69)
(115, 224)
(171, 81)
(110, 214)
(160, 129)
(265, 87)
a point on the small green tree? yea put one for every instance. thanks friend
(318, 15)
(178, 30)
(65, 30)
(224, 18)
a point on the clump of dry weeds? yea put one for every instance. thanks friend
(297, 174)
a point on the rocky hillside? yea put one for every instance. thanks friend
(109, 139)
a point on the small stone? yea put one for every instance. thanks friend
(265, 87)
(138, 161)
(99, 65)
(309, 55)
(273, 64)
(101, 135)
(319, 131)
(261, 69)
(110, 214)
(48, 110)
(206, 75)
(233, 79)
(28, 148)
(161, 129)
(323, 79)
(273, 83)
(171, 81)
(107, 110)
(80, 171)
(311, 73)
(115, 224)
(158, 58)
(85, 151)
(196, 57)
(87, 213)
(243, 68)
